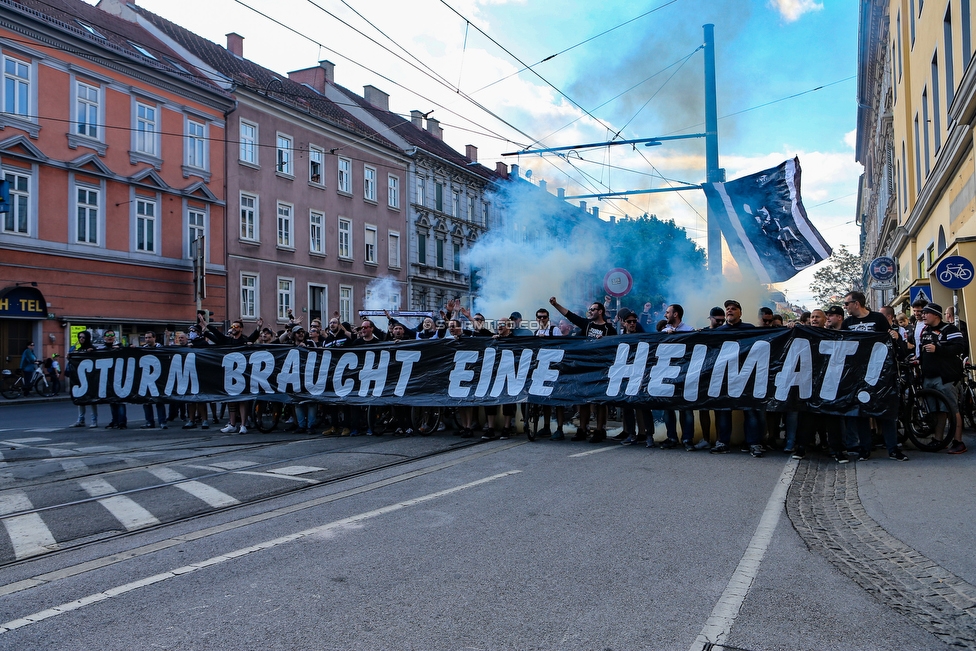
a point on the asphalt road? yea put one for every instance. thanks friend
(503, 545)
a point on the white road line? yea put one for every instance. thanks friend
(35, 439)
(97, 448)
(73, 465)
(2, 462)
(123, 508)
(57, 452)
(208, 494)
(605, 448)
(295, 470)
(233, 465)
(275, 476)
(28, 533)
(44, 430)
(719, 624)
(244, 551)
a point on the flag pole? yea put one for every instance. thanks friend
(713, 173)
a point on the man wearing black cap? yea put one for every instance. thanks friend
(752, 420)
(835, 317)
(861, 319)
(940, 345)
(716, 318)
(518, 330)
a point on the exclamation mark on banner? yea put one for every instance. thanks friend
(878, 355)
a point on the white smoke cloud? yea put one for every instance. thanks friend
(792, 10)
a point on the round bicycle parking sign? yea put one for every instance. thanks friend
(955, 272)
(618, 282)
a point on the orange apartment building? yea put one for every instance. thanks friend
(113, 148)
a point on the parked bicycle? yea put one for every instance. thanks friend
(13, 386)
(926, 415)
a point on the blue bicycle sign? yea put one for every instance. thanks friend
(955, 272)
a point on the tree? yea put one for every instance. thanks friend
(843, 273)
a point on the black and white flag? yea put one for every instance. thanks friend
(764, 222)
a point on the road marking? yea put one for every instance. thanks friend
(238, 553)
(44, 430)
(2, 462)
(605, 448)
(123, 508)
(28, 533)
(295, 470)
(97, 448)
(719, 624)
(208, 494)
(73, 465)
(28, 440)
(233, 465)
(276, 476)
(57, 452)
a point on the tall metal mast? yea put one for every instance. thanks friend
(713, 173)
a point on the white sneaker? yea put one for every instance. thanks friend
(227, 429)
(243, 430)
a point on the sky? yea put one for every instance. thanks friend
(786, 86)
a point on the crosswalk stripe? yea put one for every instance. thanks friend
(125, 509)
(73, 465)
(208, 494)
(28, 533)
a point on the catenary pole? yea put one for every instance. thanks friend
(713, 173)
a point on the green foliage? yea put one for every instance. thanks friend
(654, 251)
(843, 273)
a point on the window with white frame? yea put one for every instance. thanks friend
(86, 110)
(286, 294)
(484, 214)
(394, 240)
(249, 296)
(422, 191)
(345, 238)
(470, 214)
(196, 221)
(457, 257)
(249, 142)
(283, 160)
(316, 232)
(369, 183)
(345, 303)
(284, 225)
(393, 191)
(370, 244)
(316, 165)
(345, 175)
(146, 128)
(456, 205)
(145, 225)
(16, 87)
(439, 248)
(196, 144)
(249, 217)
(86, 214)
(422, 248)
(17, 218)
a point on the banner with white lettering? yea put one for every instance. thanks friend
(804, 369)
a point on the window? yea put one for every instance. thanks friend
(439, 243)
(421, 248)
(911, 22)
(16, 87)
(196, 228)
(439, 196)
(316, 156)
(345, 303)
(345, 175)
(143, 51)
(455, 204)
(316, 232)
(86, 225)
(196, 141)
(146, 129)
(284, 225)
(484, 214)
(370, 244)
(925, 128)
(88, 28)
(936, 109)
(904, 176)
(394, 239)
(249, 142)
(393, 191)
(457, 257)
(470, 214)
(285, 297)
(422, 192)
(249, 296)
(145, 225)
(87, 110)
(345, 238)
(947, 39)
(930, 255)
(964, 19)
(17, 218)
(920, 270)
(369, 183)
(918, 158)
(249, 217)
(898, 31)
(283, 162)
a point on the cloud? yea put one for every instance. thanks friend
(850, 138)
(791, 10)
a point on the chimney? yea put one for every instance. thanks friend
(613, 219)
(561, 194)
(542, 185)
(376, 97)
(596, 211)
(417, 118)
(235, 44)
(515, 171)
(501, 169)
(471, 152)
(583, 206)
(315, 77)
(329, 69)
(434, 127)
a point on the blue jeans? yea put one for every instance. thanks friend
(305, 414)
(687, 425)
(858, 435)
(160, 410)
(751, 424)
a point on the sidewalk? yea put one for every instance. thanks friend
(33, 400)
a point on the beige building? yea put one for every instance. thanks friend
(916, 112)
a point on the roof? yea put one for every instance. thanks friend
(251, 76)
(110, 32)
(418, 137)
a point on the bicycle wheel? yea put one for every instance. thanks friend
(968, 406)
(44, 387)
(928, 408)
(11, 388)
(380, 419)
(425, 419)
(265, 415)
